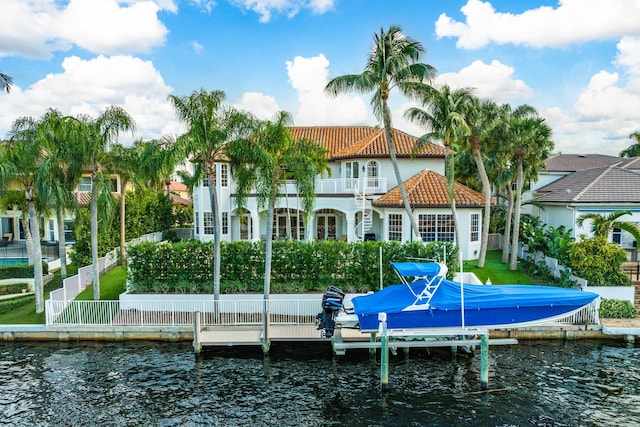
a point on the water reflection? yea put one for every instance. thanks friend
(163, 384)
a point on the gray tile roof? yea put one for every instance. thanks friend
(612, 184)
(576, 162)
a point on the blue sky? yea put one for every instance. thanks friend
(576, 61)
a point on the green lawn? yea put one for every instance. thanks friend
(495, 270)
(112, 284)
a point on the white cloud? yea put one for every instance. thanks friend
(205, 5)
(572, 21)
(35, 28)
(289, 8)
(197, 47)
(309, 76)
(89, 86)
(262, 106)
(492, 81)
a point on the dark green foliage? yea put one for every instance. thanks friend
(187, 267)
(20, 271)
(13, 288)
(553, 242)
(617, 309)
(146, 212)
(543, 276)
(15, 303)
(599, 262)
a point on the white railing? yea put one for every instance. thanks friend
(73, 285)
(347, 185)
(179, 313)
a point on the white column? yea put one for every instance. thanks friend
(351, 222)
(255, 226)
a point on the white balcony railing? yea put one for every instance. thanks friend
(342, 186)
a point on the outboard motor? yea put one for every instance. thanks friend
(331, 304)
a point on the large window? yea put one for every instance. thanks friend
(395, 227)
(326, 220)
(436, 227)
(475, 227)
(207, 222)
(295, 225)
(68, 230)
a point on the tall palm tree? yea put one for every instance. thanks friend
(531, 146)
(445, 116)
(482, 117)
(5, 82)
(392, 63)
(25, 160)
(263, 163)
(634, 149)
(61, 133)
(97, 135)
(210, 127)
(603, 224)
(125, 161)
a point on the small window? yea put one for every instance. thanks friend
(197, 223)
(475, 227)
(617, 235)
(224, 175)
(85, 184)
(207, 222)
(395, 227)
(225, 222)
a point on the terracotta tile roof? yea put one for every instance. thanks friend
(576, 162)
(363, 141)
(177, 186)
(83, 197)
(611, 184)
(428, 189)
(177, 200)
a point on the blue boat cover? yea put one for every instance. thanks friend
(394, 299)
(413, 269)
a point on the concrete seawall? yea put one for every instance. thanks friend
(613, 330)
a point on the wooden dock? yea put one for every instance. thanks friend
(228, 336)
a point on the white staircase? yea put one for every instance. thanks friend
(364, 206)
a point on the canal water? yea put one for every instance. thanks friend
(534, 383)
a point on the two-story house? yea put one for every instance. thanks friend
(360, 200)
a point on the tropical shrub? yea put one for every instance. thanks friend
(598, 261)
(15, 303)
(13, 288)
(20, 271)
(186, 266)
(617, 309)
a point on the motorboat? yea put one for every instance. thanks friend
(427, 300)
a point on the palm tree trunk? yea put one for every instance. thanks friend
(123, 237)
(267, 275)
(62, 244)
(386, 117)
(513, 265)
(93, 212)
(450, 167)
(486, 191)
(28, 239)
(213, 195)
(506, 242)
(37, 257)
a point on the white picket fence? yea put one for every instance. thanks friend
(73, 285)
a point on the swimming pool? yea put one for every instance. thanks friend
(13, 261)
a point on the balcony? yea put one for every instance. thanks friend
(342, 186)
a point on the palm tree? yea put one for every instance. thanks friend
(25, 160)
(263, 163)
(125, 161)
(97, 135)
(482, 117)
(392, 63)
(634, 149)
(531, 145)
(444, 114)
(210, 127)
(603, 224)
(5, 82)
(60, 132)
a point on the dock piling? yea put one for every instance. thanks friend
(384, 352)
(197, 342)
(484, 361)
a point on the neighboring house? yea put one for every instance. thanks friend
(179, 194)
(572, 185)
(359, 201)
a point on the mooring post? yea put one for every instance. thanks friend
(384, 351)
(484, 361)
(372, 350)
(454, 351)
(197, 346)
(266, 341)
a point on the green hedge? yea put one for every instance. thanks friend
(13, 288)
(187, 267)
(617, 309)
(15, 303)
(17, 271)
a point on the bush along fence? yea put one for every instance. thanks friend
(185, 267)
